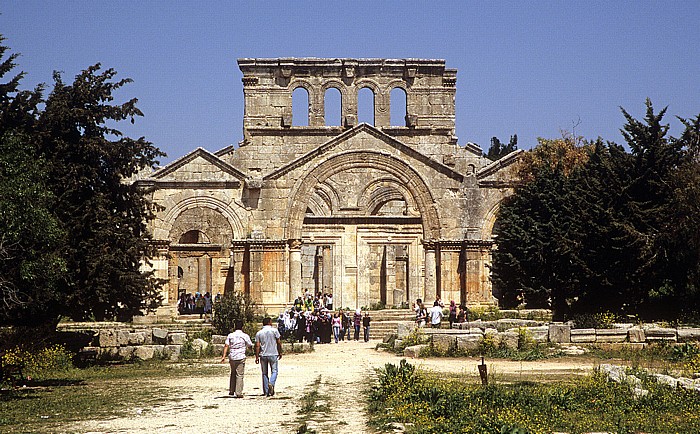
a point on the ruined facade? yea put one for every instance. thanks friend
(373, 213)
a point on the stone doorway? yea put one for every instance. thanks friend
(389, 273)
(317, 268)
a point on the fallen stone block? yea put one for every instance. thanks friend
(123, 337)
(636, 334)
(665, 379)
(398, 343)
(218, 349)
(560, 333)
(509, 340)
(199, 345)
(442, 343)
(108, 338)
(610, 335)
(660, 334)
(388, 337)
(177, 338)
(127, 352)
(172, 352)
(405, 328)
(582, 336)
(539, 334)
(468, 342)
(137, 338)
(160, 336)
(218, 339)
(144, 352)
(688, 334)
(414, 351)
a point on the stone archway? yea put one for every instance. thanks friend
(362, 159)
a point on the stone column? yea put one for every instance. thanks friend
(202, 274)
(294, 268)
(430, 273)
(327, 280)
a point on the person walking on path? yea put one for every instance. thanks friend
(268, 350)
(365, 325)
(435, 315)
(235, 346)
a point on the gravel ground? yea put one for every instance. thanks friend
(201, 405)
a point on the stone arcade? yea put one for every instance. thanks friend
(372, 213)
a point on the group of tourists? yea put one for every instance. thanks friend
(323, 326)
(434, 315)
(196, 303)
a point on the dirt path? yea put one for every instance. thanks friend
(337, 372)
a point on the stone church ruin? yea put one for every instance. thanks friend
(370, 212)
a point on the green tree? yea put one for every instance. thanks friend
(104, 216)
(594, 227)
(29, 234)
(499, 150)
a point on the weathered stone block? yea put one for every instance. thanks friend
(177, 338)
(414, 351)
(199, 345)
(509, 340)
(218, 349)
(665, 379)
(160, 336)
(405, 328)
(126, 353)
(123, 337)
(144, 352)
(302, 347)
(398, 343)
(610, 335)
(636, 334)
(688, 334)
(468, 342)
(539, 334)
(172, 352)
(660, 334)
(560, 333)
(137, 338)
(582, 336)
(108, 338)
(442, 343)
(218, 339)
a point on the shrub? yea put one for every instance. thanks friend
(232, 307)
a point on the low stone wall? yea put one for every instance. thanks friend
(113, 342)
(467, 336)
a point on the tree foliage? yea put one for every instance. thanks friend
(594, 227)
(499, 150)
(73, 228)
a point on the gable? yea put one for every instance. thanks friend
(357, 132)
(199, 168)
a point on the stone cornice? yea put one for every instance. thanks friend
(499, 164)
(179, 185)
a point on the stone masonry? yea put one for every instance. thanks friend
(372, 213)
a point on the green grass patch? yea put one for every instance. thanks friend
(428, 404)
(72, 395)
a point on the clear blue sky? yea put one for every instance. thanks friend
(528, 68)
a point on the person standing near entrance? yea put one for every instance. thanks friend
(268, 350)
(235, 346)
(435, 315)
(357, 321)
(365, 325)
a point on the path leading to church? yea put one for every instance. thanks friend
(339, 372)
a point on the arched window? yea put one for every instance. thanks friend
(365, 106)
(397, 98)
(300, 107)
(332, 104)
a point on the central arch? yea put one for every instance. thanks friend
(407, 176)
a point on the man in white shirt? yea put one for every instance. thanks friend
(235, 346)
(435, 315)
(268, 350)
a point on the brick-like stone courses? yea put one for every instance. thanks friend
(348, 187)
(468, 336)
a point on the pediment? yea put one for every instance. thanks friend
(386, 143)
(198, 167)
(500, 173)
